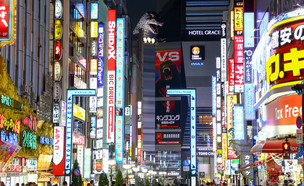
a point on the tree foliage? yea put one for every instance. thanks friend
(119, 178)
(103, 180)
(76, 180)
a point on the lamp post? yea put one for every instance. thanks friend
(127, 167)
(111, 163)
(135, 170)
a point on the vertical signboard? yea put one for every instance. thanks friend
(111, 75)
(120, 89)
(230, 75)
(119, 139)
(231, 100)
(69, 118)
(94, 10)
(239, 63)
(120, 63)
(248, 65)
(93, 127)
(224, 146)
(58, 152)
(248, 30)
(214, 95)
(249, 102)
(239, 124)
(100, 55)
(192, 94)
(223, 53)
(87, 163)
(238, 18)
(80, 157)
(167, 111)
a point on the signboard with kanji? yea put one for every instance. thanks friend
(7, 22)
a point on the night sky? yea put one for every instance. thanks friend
(136, 8)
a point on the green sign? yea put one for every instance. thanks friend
(5, 100)
(29, 140)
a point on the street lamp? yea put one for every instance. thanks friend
(111, 163)
(127, 167)
(135, 169)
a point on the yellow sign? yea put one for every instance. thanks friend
(232, 25)
(78, 112)
(238, 18)
(231, 100)
(94, 29)
(58, 29)
(93, 70)
(292, 62)
(44, 162)
(77, 27)
(224, 147)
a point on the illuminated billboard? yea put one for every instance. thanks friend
(239, 123)
(119, 138)
(69, 119)
(8, 22)
(100, 55)
(111, 76)
(120, 67)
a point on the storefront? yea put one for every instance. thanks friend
(279, 54)
(26, 143)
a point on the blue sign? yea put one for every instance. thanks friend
(299, 122)
(120, 63)
(100, 55)
(239, 124)
(46, 141)
(300, 151)
(94, 10)
(186, 162)
(248, 52)
(214, 95)
(249, 102)
(87, 163)
(248, 29)
(192, 94)
(69, 119)
(119, 138)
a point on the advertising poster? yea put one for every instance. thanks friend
(168, 75)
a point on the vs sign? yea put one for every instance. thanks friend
(173, 55)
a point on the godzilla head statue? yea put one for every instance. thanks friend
(149, 23)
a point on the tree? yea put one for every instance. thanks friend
(119, 178)
(154, 182)
(161, 181)
(103, 180)
(76, 179)
(148, 182)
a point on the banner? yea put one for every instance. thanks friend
(168, 76)
(58, 152)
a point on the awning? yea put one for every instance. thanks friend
(255, 164)
(274, 146)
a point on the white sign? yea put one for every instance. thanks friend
(98, 154)
(99, 133)
(80, 158)
(58, 9)
(56, 113)
(31, 164)
(93, 83)
(223, 59)
(99, 122)
(62, 120)
(93, 104)
(58, 145)
(105, 160)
